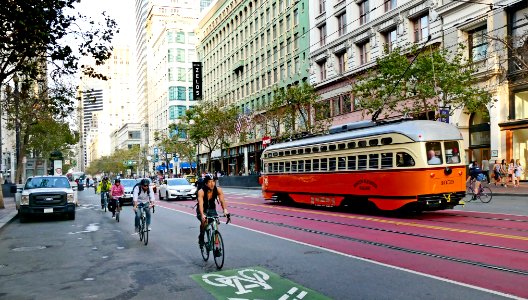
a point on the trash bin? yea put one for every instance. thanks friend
(6, 189)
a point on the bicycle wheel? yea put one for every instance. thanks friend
(218, 250)
(105, 202)
(146, 234)
(205, 248)
(117, 215)
(469, 193)
(485, 194)
(141, 228)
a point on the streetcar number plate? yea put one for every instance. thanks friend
(48, 210)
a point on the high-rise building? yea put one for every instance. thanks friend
(142, 7)
(248, 49)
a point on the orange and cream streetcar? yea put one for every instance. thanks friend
(406, 164)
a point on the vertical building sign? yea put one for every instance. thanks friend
(197, 80)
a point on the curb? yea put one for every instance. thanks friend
(7, 218)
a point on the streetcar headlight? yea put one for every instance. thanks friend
(24, 200)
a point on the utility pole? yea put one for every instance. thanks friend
(81, 133)
(18, 178)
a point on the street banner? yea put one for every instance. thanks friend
(197, 80)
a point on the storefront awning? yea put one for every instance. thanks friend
(511, 125)
(186, 165)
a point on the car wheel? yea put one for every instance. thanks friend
(160, 197)
(22, 218)
(71, 216)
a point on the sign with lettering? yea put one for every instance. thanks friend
(197, 80)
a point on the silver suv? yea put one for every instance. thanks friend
(46, 195)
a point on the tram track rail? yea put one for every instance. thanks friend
(384, 245)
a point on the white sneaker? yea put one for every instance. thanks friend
(149, 229)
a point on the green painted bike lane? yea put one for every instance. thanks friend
(253, 283)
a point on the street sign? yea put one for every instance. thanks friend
(175, 159)
(155, 150)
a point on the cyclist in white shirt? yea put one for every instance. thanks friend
(143, 193)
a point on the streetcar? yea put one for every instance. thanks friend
(395, 165)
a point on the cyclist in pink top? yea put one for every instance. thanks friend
(116, 191)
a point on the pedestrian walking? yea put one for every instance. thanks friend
(485, 168)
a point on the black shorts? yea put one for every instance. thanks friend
(208, 212)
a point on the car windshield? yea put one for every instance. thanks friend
(177, 181)
(47, 182)
(139, 180)
(128, 183)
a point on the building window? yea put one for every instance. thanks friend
(180, 55)
(390, 4)
(322, 70)
(295, 17)
(173, 93)
(322, 5)
(181, 74)
(521, 105)
(170, 55)
(390, 40)
(171, 74)
(421, 28)
(363, 12)
(181, 93)
(191, 96)
(478, 44)
(341, 24)
(342, 61)
(363, 53)
(180, 37)
(172, 112)
(322, 34)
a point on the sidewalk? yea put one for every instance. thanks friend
(498, 190)
(9, 212)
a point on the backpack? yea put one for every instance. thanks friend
(139, 191)
(200, 183)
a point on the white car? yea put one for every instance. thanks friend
(128, 185)
(46, 195)
(177, 188)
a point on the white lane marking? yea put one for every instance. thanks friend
(369, 261)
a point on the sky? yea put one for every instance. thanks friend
(120, 10)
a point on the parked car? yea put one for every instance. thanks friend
(177, 188)
(128, 185)
(43, 195)
(152, 184)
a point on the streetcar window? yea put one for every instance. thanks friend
(300, 166)
(332, 147)
(287, 167)
(294, 151)
(324, 148)
(404, 159)
(341, 163)
(434, 153)
(294, 166)
(266, 168)
(307, 150)
(275, 168)
(315, 149)
(373, 161)
(332, 164)
(351, 145)
(324, 164)
(341, 146)
(386, 160)
(315, 166)
(351, 163)
(373, 142)
(281, 167)
(275, 154)
(386, 141)
(362, 144)
(287, 152)
(300, 151)
(451, 152)
(281, 153)
(308, 165)
(362, 162)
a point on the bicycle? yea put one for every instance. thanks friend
(214, 241)
(484, 193)
(105, 201)
(143, 228)
(117, 208)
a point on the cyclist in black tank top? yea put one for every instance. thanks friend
(207, 197)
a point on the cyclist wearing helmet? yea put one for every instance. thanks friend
(116, 191)
(104, 187)
(143, 193)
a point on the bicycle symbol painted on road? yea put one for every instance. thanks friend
(246, 280)
(253, 283)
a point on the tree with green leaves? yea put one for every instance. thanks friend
(209, 126)
(414, 83)
(294, 111)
